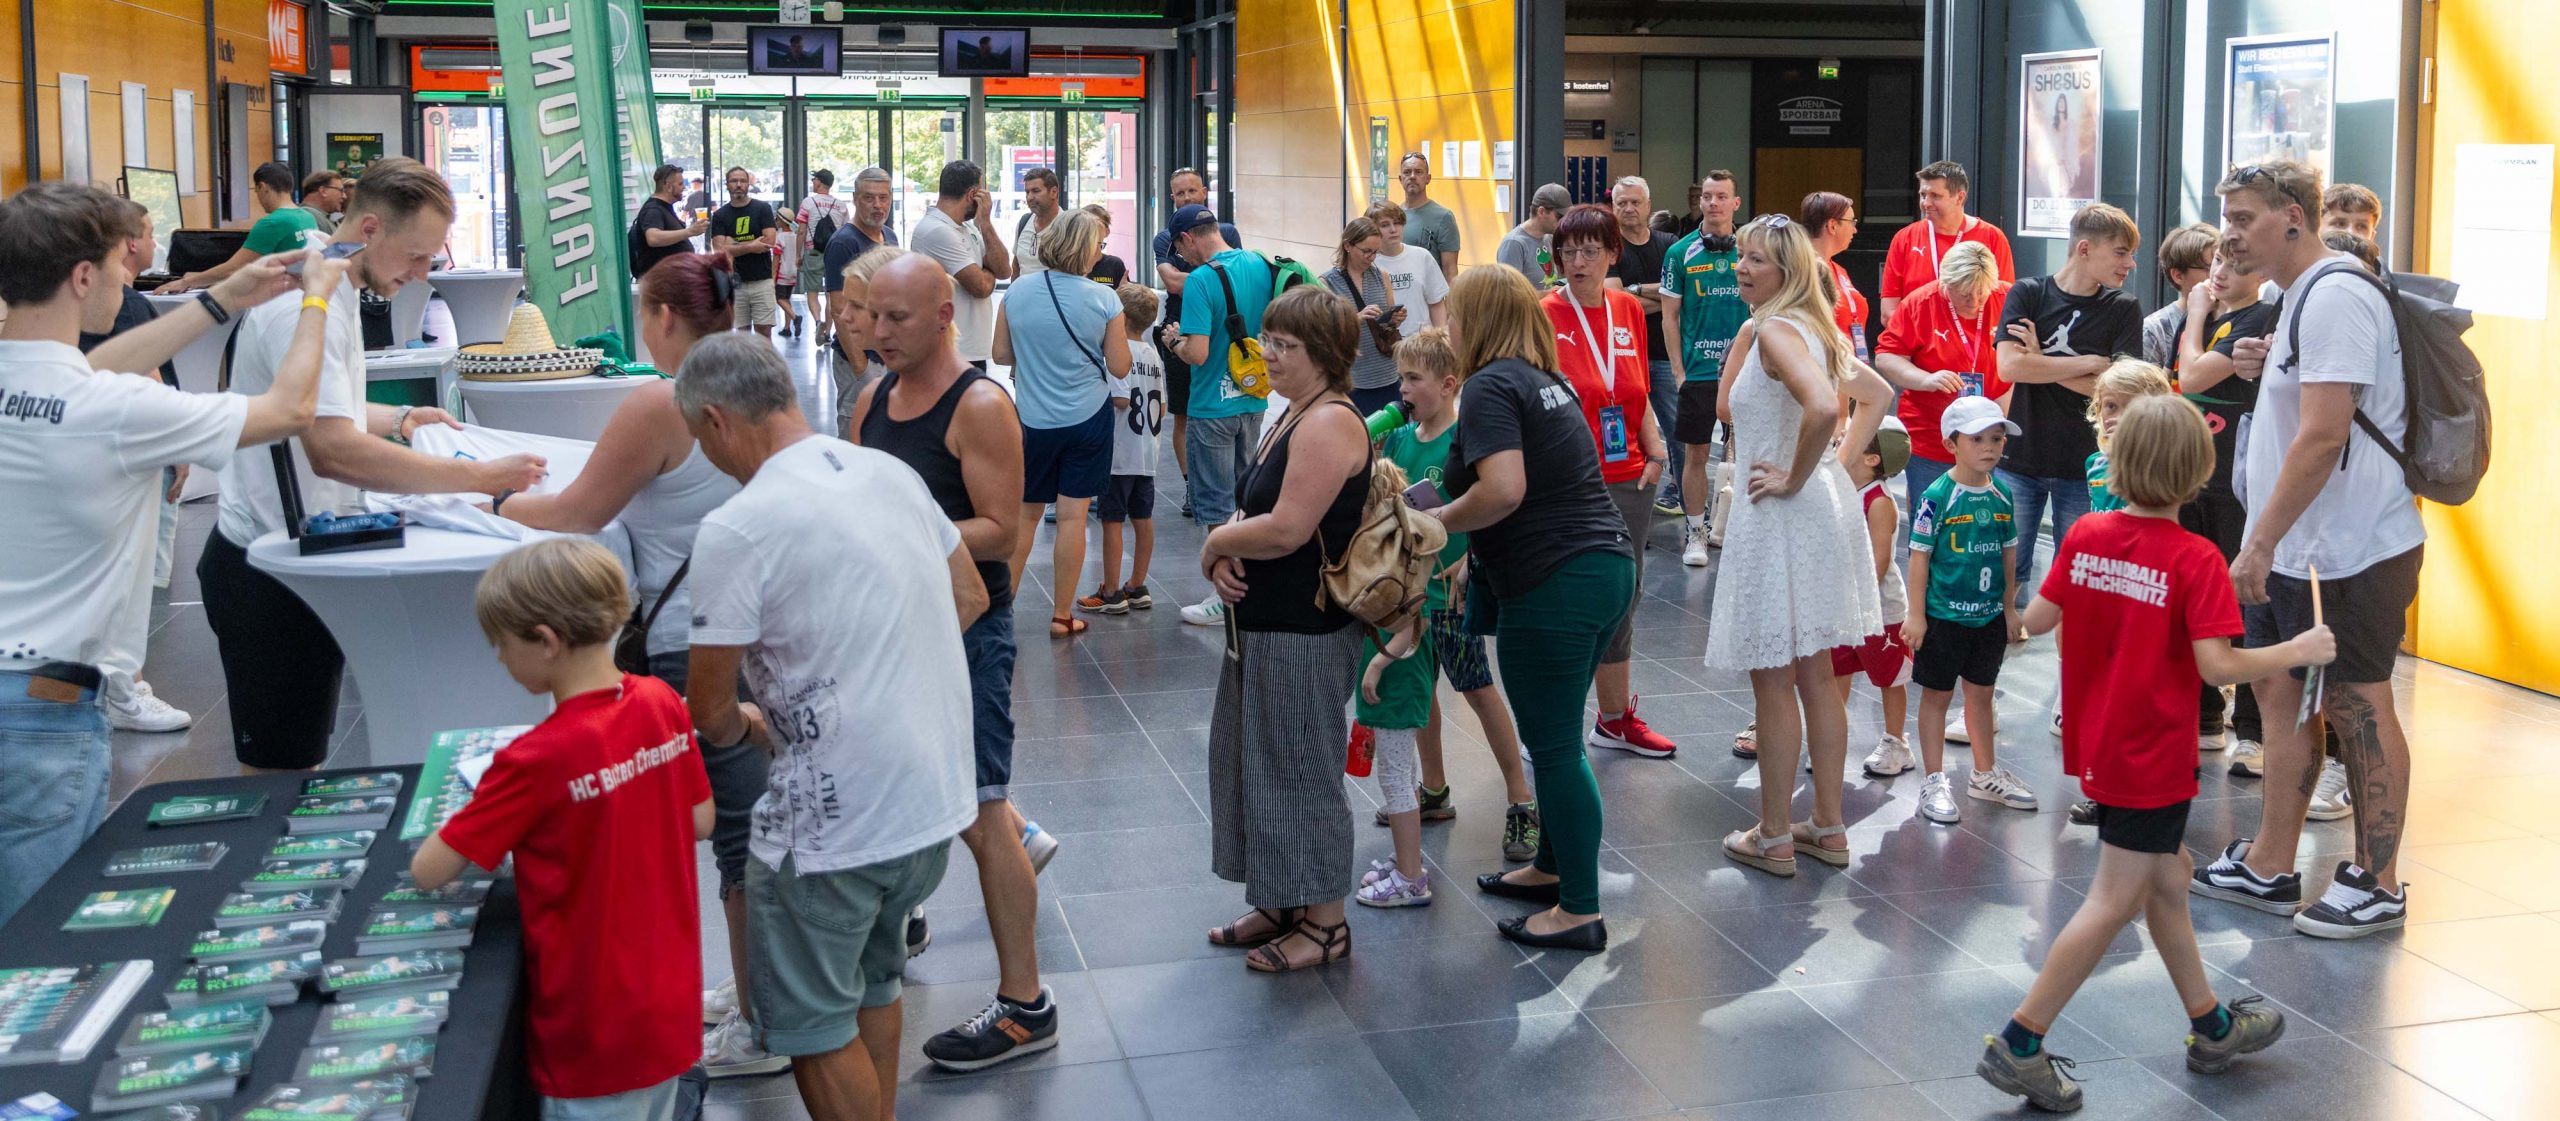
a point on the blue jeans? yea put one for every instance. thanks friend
(1663, 394)
(53, 784)
(2069, 498)
(989, 646)
(1217, 452)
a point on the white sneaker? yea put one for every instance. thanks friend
(1890, 758)
(1209, 612)
(720, 1003)
(1957, 730)
(143, 712)
(2000, 786)
(730, 1051)
(1938, 800)
(1693, 550)
(2248, 760)
(2330, 800)
(2056, 729)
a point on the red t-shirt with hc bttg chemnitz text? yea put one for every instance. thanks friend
(596, 803)
(1617, 335)
(2136, 594)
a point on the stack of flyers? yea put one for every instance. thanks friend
(276, 980)
(268, 940)
(311, 1101)
(56, 1014)
(334, 814)
(154, 860)
(38, 1106)
(341, 786)
(417, 926)
(297, 875)
(174, 1111)
(467, 890)
(445, 781)
(151, 1080)
(255, 908)
(422, 971)
(237, 1023)
(197, 809)
(121, 910)
(379, 1017)
(305, 846)
(413, 1056)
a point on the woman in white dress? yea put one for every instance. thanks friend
(1797, 578)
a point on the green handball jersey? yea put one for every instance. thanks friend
(1963, 530)
(2101, 498)
(1711, 307)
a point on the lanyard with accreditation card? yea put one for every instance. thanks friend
(1614, 446)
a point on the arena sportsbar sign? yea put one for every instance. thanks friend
(566, 153)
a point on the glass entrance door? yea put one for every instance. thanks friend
(920, 142)
(1101, 166)
(842, 141)
(1017, 141)
(467, 144)
(748, 137)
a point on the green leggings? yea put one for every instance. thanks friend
(1549, 642)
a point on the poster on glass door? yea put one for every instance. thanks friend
(2280, 101)
(2057, 140)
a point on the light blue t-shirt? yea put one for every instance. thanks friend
(1059, 380)
(1204, 312)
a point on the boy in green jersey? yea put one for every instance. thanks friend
(1703, 295)
(2127, 379)
(1964, 547)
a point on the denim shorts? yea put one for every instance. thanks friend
(1218, 453)
(737, 773)
(648, 1103)
(989, 646)
(824, 946)
(53, 784)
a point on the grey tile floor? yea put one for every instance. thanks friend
(1725, 995)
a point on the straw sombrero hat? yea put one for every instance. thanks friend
(528, 354)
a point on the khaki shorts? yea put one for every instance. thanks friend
(753, 304)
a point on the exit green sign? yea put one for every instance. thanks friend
(1071, 93)
(1827, 70)
(704, 92)
(888, 93)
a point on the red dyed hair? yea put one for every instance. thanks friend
(698, 286)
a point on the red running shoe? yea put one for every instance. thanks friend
(1628, 733)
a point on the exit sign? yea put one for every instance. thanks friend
(1071, 93)
(702, 89)
(888, 93)
(1827, 70)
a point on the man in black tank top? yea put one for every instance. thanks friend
(957, 429)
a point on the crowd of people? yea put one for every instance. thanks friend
(827, 618)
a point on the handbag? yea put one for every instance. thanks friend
(1245, 364)
(631, 647)
(1385, 334)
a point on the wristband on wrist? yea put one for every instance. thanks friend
(213, 307)
(311, 301)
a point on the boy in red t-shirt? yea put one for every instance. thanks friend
(600, 804)
(2152, 611)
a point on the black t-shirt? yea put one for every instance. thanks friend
(134, 312)
(1642, 264)
(2056, 441)
(1514, 406)
(655, 214)
(746, 223)
(2232, 397)
(1109, 271)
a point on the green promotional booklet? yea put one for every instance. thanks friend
(121, 910)
(159, 860)
(312, 1101)
(467, 890)
(56, 1014)
(239, 1023)
(443, 788)
(181, 1076)
(295, 875)
(342, 786)
(350, 842)
(258, 941)
(413, 1056)
(276, 980)
(197, 809)
(418, 971)
(327, 815)
(174, 1111)
(428, 926)
(373, 1016)
(249, 908)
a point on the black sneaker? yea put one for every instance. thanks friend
(2084, 812)
(1002, 1030)
(1520, 832)
(2229, 879)
(1137, 598)
(2354, 906)
(919, 935)
(1434, 803)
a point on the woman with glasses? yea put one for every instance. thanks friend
(1797, 578)
(1355, 276)
(1831, 220)
(1600, 349)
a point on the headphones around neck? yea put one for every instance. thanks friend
(1717, 243)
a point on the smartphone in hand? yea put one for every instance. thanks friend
(1424, 495)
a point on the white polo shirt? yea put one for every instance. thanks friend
(251, 505)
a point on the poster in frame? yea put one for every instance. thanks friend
(2279, 101)
(2059, 139)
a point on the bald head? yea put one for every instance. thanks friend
(911, 313)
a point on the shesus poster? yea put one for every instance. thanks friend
(2058, 141)
(2280, 101)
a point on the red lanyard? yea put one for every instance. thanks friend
(1972, 349)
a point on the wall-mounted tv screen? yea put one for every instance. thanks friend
(796, 50)
(986, 52)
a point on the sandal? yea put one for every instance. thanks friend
(1334, 940)
(1746, 743)
(1809, 837)
(1281, 920)
(1753, 852)
(1068, 627)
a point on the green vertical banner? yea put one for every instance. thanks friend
(635, 110)
(565, 153)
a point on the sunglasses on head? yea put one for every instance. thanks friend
(2247, 174)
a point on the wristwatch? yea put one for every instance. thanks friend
(496, 503)
(212, 307)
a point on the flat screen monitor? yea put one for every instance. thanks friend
(986, 52)
(797, 50)
(157, 191)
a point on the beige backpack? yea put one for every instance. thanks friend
(1383, 573)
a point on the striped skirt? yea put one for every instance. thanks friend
(1278, 821)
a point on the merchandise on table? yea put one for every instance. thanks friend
(375, 1017)
(174, 1111)
(417, 926)
(416, 972)
(121, 910)
(160, 1079)
(238, 1023)
(454, 762)
(55, 1014)
(152, 860)
(199, 809)
(397, 1094)
(276, 980)
(258, 941)
(305, 846)
(311, 1101)
(345, 786)
(295, 875)
(336, 814)
(468, 889)
(37, 1107)
(253, 908)
(414, 1056)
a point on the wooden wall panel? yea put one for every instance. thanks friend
(160, 43)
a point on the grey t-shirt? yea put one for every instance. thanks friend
(1431, 226)
(1520, 249)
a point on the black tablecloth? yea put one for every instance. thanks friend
(479, 1067)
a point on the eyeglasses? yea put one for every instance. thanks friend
(1279, 344)
(1583, 252)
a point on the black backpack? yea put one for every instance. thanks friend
(2447, 414)
(822, 233)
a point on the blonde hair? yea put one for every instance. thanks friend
(2163, 453)
(2128, 378)
(1799, 297)
(569, 584)
(1071, 245)
(2279, 184)
(1968, 267)
(869, 264)
(1138, 304)
(1493, 315)
(1384, 211)
(1428, 350)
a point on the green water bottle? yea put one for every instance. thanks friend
(1386, 420)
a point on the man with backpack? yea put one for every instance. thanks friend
(1221, 317)
(2333, 535)
(822, 213)
(1040, 211)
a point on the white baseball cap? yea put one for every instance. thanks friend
(1973, 415)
